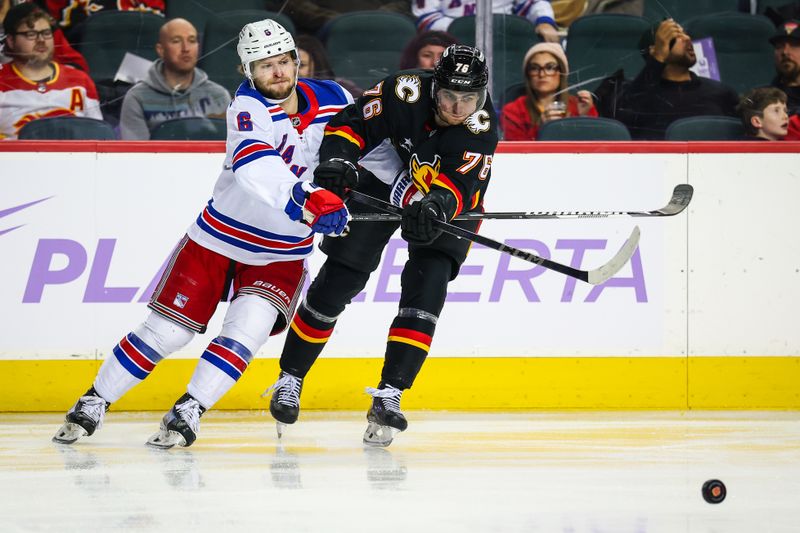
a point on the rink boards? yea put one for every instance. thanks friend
(704, 316)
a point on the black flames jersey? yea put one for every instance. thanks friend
(401, 109)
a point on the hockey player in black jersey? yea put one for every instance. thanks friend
(443, 127)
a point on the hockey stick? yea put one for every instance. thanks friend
(681, 196)
(595, 277)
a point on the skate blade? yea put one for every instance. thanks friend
(279, 428)
(379, 436)
(164, 440)
(69, 433)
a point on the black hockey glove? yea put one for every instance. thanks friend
(417, 224)
(336, 175)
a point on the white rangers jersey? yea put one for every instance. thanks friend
(267, 152)
(69, 92)
(438, 14)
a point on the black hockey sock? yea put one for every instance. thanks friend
(407, 347)
(307, 336)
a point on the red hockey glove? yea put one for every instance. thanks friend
(322, 210)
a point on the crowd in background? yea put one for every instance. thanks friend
(45, 73)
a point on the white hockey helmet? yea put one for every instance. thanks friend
(262, 39)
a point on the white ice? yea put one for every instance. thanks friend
(570, 472)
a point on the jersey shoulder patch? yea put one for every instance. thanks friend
(478, 122)
(408, 88)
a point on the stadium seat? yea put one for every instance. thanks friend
(512, 36)
(198, 12)
(190, 129)
(682, 10)
(741, 42)
(512, 92)
(67, 128)
(583, 129)
(219, 58)
(599, 45)
(365, 46)
(705, 128)
(106, 36)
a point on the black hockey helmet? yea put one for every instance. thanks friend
(461, 68)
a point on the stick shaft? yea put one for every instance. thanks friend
(681, 196)
(594, 277)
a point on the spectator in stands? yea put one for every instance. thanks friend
(626, 7)
(545, 69)
(174, 86)
(438, 14)
(310, 16)
(425, 49)
(666, 90)
(314, 63)
(313, 58)
(69, 14)
(764, 115)
(63, 52)
(34, 86)
(566, 11)
(787, 63)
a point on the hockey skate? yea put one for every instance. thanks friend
(83, 419)
(384, 418)
(180, 425)
(285, 402)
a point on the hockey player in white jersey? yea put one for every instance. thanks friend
(254, 233)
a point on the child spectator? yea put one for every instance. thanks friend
(764, 115)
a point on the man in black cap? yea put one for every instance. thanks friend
(787, 63)
(666, 90)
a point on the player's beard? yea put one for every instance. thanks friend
(274, 92)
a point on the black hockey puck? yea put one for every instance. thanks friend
(714, 491)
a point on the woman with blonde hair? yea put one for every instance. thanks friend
(545, 70)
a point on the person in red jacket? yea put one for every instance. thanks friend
(546, 97)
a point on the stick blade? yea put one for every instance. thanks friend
(681, 196)
(605, 272)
